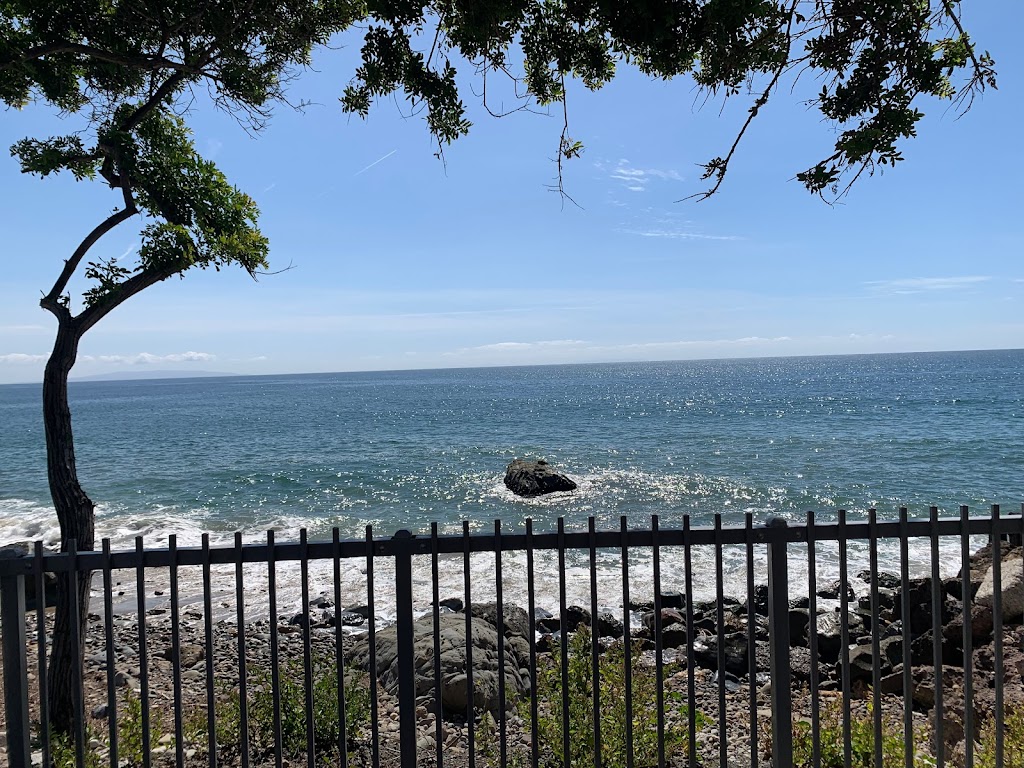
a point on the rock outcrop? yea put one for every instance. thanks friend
(535, 478)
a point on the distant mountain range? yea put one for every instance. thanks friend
(150, 374)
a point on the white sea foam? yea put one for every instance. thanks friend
(25, 520)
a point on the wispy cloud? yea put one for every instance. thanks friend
(145, 358)
(521, 346)
(19, 358)
(913, 285)
(129, 250)
(270, 186)
(636, 179)
(676, 234)
(378, 160)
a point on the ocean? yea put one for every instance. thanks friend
(402, 449)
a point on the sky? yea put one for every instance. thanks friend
(388, 258)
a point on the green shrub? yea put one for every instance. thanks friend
(1013, 740)
(129, 730)
(325, 721)
(862, 741)
(62, 751)
(612, 680)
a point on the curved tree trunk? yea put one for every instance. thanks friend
(75, 513)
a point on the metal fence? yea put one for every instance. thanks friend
(671, 645)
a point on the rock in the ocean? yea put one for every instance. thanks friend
(535, 478)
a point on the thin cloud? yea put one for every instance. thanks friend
(521, 346)
(637, 179)
(378, 160)
(913, 285)
(145, 358)
(19, 358)
(676, 234)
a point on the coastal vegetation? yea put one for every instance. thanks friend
(131, 70)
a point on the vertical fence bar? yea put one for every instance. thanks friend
(627, 637)
(438, 706)
(179, 741)
(691, 666)
(275, 667)
(659, 661)
(778, 627)
(876, 652)
(372, 626)
(908, 691)
(307, 649)
(211, 699)
(402, 541)
(844, 643)
(12, 606)
(723, 733)
(748, 525)
(595, 647)
(76, 658)
(140, 597)
(339, 649)
(470, 691)
(243, 686)
(563, 645)
(500, 612)
(812, 636)
(965, 604)
(997, 632)
(532, 619)
(936, 585)
(41, 639)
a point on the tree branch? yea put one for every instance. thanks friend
(134, 62)
(133, 285)
(51, 301)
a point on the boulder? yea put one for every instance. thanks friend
(454, 682)
(535, 478)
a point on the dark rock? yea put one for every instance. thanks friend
(452, 604)
(760, 599)
(350, 619)
(364, 610)
(834, 590)
(323, 601)
(885, 580)
(673, 636)
(705, 652)
(608, 625)
(516, 621)
(549, 624)
(575, 615)
(799, 620)
(535, 478)
(672, 600)
(800, 602)
(669, 616)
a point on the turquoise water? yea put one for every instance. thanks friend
(402, 449)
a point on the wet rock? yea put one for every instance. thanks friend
(535, 478)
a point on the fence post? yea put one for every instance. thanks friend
(404, 626)
(12, 621)
(778, 630)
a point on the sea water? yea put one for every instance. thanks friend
(403, 449)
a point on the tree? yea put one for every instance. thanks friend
(132, 68)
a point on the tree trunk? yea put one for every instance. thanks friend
(75, 513)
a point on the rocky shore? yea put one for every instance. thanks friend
(901, 640)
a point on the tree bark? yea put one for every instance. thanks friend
(75, 513)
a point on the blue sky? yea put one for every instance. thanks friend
(401, 261)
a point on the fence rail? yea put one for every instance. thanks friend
(800, 670)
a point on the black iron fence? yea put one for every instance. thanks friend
(671, 645)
